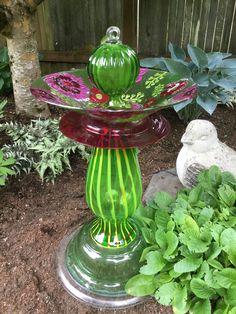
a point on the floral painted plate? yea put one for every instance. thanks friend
(152, 91)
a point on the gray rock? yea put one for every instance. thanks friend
(165, 180)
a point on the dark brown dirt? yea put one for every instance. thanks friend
(34, 218)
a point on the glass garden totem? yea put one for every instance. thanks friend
(114, 107)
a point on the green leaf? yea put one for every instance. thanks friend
(153, 63)
(190, 227)
(229, 63)
(180, 300)
(177, 67)
(148, 235)
(198, 56)
(172, 243)
(227, 84)
(160, 238)
(214, 263)
(230, 296)
(202, 307)
(200, 288)
(226, 277)
(163, 200)
(141, 285)
(147, 250)
(188, 264)
(165, 294)
(227, 195)
(176, 52)
(205, 215)
(207, 102)
(228, 239)
(155, 263)
(195, 195)
(1, 83)
(162, 218)
(201, 79)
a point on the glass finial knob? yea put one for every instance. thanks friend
(113, 66)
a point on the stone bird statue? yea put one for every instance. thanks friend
(202, 149)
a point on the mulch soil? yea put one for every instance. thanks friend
(34, 217)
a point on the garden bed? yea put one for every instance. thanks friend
(34, 218)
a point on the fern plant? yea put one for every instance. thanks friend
(40, 146)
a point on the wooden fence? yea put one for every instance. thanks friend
(68, 30)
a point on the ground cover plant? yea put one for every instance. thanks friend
(190, 259)
(40, 146)
(213, 72)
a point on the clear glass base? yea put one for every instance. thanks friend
(97, 275)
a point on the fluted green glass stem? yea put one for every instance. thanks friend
(113, 193)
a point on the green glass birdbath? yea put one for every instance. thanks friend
(114, 107)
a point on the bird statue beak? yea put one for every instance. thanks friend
(186, 140)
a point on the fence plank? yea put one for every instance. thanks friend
(78, 25)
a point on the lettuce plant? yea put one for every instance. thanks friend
(213, 72)
(190, 259)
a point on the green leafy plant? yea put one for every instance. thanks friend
(213, 72)
(5, 168)
(2, 106)
(5, 73)
(40, 146)
(190, 259)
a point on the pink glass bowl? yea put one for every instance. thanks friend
(152, 91)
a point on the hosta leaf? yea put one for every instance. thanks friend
(177, 67)
(141, 285)
(198, 56)
(182, 105)
(226, 277)
(202, 307)
(207, 102)
(200, 288)
(155, 262)
(202, 79)
(176, 52)
(227, 84)
(165, 294)
(153, 63)
(229, 63)
(188, 264)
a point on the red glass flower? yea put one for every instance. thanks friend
(150, 102)
(173, 88)
(97, 96)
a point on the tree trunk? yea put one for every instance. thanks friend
(24, 62)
